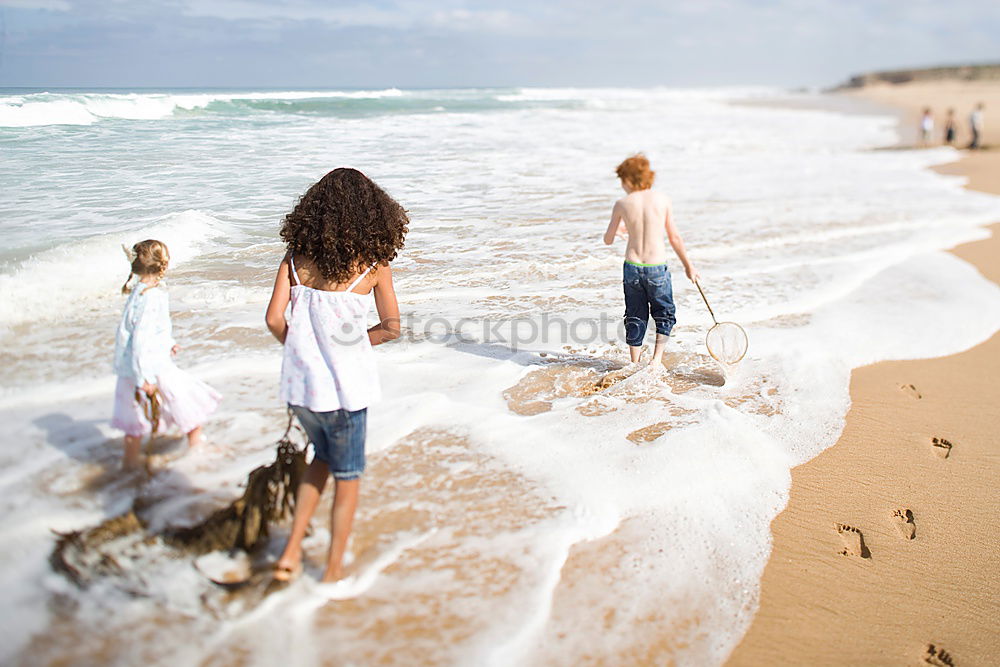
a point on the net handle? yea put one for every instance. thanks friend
(711, 312)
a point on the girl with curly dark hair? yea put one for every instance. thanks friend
(340, 237)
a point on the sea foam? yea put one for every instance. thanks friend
(70, 277)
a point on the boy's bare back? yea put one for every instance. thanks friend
(645, 214)
(644, 218)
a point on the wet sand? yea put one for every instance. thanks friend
(889, 549)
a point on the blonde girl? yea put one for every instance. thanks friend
(144, 350)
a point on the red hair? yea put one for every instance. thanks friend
(635, 172)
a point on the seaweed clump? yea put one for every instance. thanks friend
(269, 497)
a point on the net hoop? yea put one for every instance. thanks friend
(745, 343)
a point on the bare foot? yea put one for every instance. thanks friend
(333, 576)
(854, 541)
(903, 518)
(289, 565)
(910, 390)
(635, 354)
(941, 446)
(937, 656)
(195, 437)
(286, 571)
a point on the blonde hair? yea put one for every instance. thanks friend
(636, 173)
(147, 258)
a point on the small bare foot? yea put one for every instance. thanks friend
(333, 576)
(854, 542)
(910, 390)
(941, 446)
(286, 572)
(903, 518)
(195, 438)
(937, 656)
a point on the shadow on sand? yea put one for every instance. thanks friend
(101, 474)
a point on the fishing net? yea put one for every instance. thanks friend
(727, 342)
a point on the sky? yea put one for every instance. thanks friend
(457, 43)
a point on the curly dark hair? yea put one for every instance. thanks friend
(345, 223)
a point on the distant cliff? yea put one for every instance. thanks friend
(989, 72)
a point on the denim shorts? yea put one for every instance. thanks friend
(647, 293)
(338, 439)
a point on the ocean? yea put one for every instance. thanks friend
(526, 501)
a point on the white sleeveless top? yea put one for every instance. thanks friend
(328, 362)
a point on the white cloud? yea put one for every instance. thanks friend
(401, 15)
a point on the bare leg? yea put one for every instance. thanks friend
(661, 344)
(345, 501)
(634, 353)
(306, 501)
(195, 436)
(133, 452)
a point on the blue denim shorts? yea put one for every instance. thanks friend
(338, 439)
(647, 293)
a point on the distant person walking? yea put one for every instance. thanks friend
(949, 127)
(976, 125)
(926, 127)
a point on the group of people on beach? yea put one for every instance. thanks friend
(950, 132)
(340, 239)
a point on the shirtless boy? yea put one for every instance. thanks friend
(643, 218)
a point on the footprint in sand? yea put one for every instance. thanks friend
(854, 541)
(937, 656)
(910, 390)
(941, 446)
(903, 518)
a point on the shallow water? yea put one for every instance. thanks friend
(529, 499)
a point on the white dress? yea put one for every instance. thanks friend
(328, 360)
(142, 354)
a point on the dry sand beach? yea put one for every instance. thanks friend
(909, 492)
